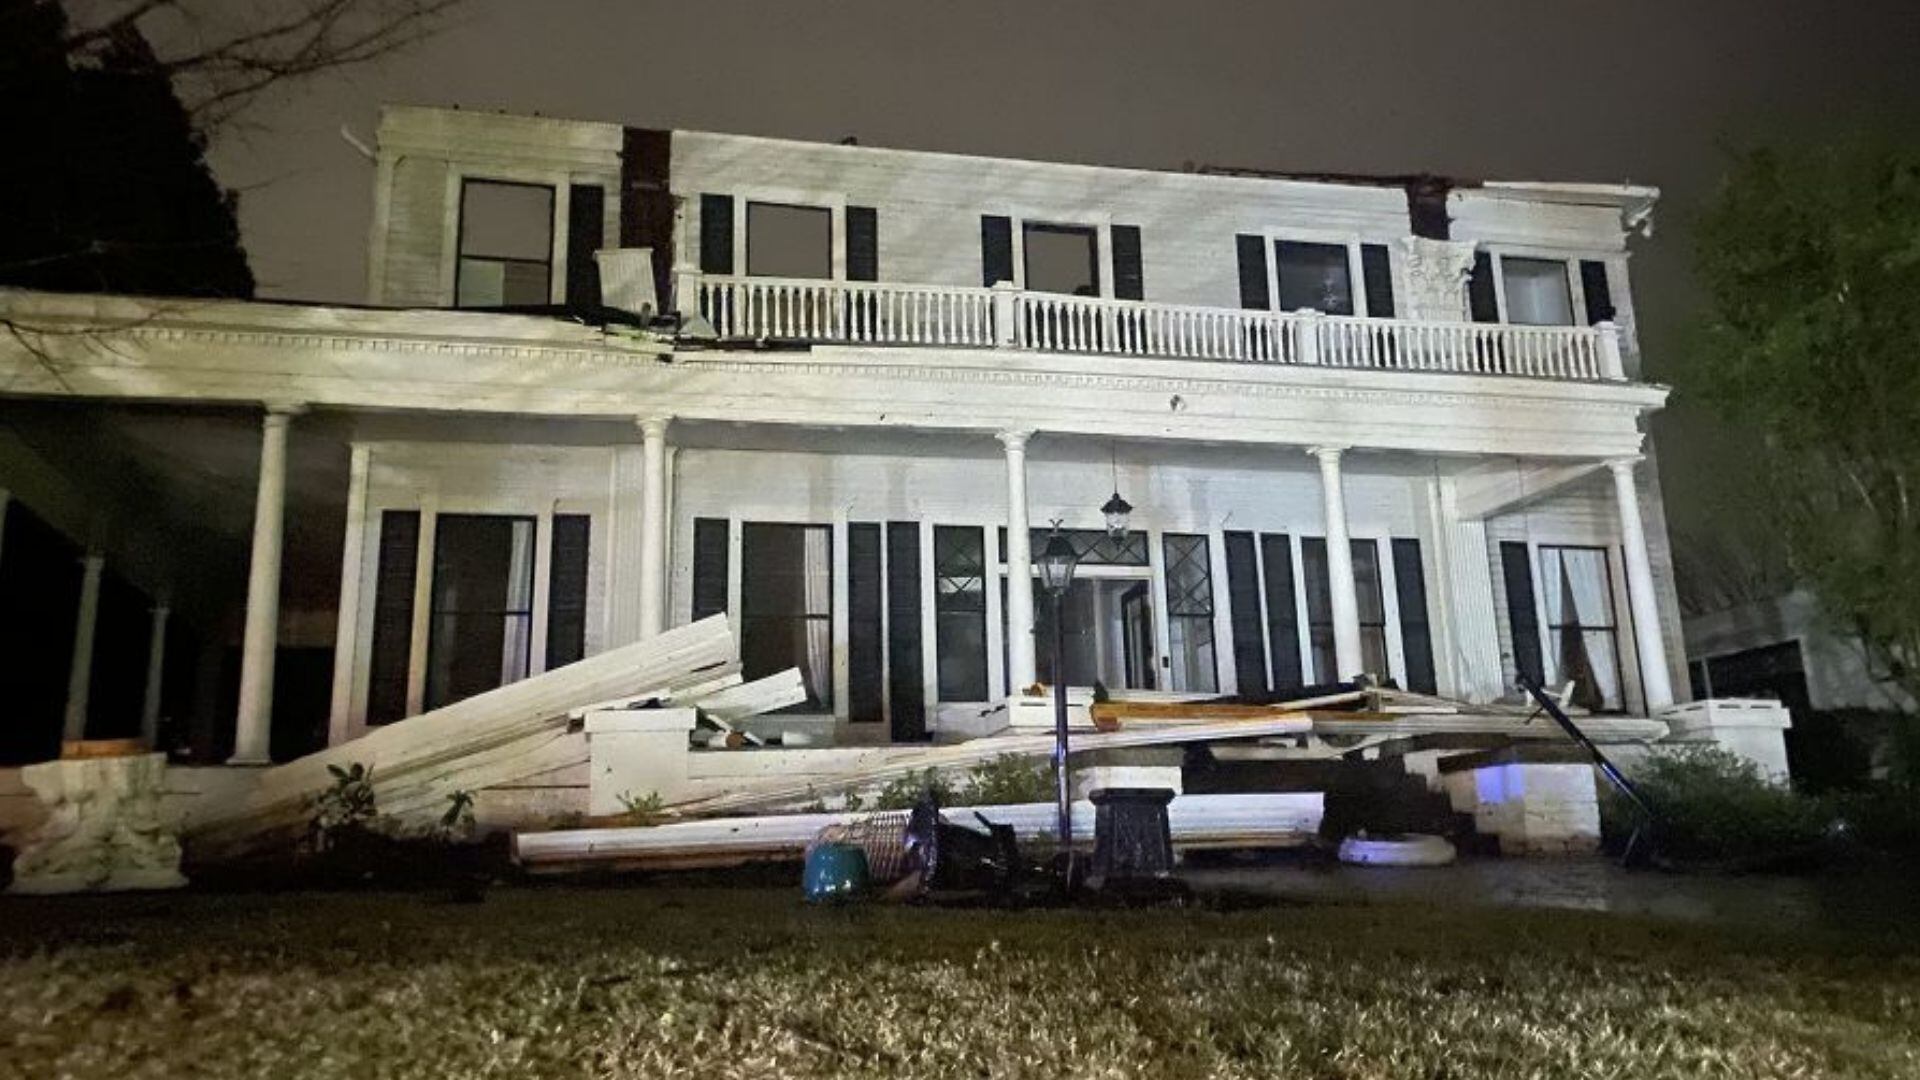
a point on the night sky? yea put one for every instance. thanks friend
(1647, 92)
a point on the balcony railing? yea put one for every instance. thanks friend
(873, 313)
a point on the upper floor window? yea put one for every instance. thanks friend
(1062, 258)
(1537, 293)
(1313, 276)
(506, 245)
(1539, 290)
(789, 241)
(1334, 276)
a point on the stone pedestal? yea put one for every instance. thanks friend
(635, 753)
(103, 831)
(1753, 729)
(1138, 767)
(1532, 807)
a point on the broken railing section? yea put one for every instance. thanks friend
(877, 313)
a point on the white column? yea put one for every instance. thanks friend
(1019, 564)
(80, 672)
(346, 630)
(254, 729)
(156, 674)
(1341, 589)
(653, 525)
(1655, 684)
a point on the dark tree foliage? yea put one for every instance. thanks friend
(105, 184)
(1811, 262)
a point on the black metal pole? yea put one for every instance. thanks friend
(1061, 777)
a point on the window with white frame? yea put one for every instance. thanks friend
(960, 612)
(1582, 639)
(1192, 663)
(1537, 290)
(789, 241)
(1314, 275)
(505, 245)
(786, 606)
(1369, 595)
(480, 634)
(1061, 258)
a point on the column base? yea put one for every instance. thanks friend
(103, 830)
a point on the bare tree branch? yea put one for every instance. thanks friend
(220, 62)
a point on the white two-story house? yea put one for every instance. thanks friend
(610, 380)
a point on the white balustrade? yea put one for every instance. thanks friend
(864, 312)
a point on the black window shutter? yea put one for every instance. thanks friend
(1480, 296)
(393, 615)
(1128, 283)
(567, 590)
(996, 249)
(1243, 594)
(1283, 619)
(1522, 622)
(1416, 632)
(710, 546)
(907, 691)
(586, 225)
(865, 655)
(863, 244)
(1593, 285)
(716, 234)
(1377, 270)
(1253, 271)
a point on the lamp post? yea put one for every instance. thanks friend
(1057, 564)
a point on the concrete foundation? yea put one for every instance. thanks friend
(1532, 807)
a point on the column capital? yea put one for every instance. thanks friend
(653, 427)
(1328, 455)
(1624, 466)
(282, 411)
(1014, 439)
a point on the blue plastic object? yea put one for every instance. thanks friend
(835, 873)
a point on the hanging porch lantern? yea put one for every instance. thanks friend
(1116, 511)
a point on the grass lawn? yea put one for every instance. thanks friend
(739, 982)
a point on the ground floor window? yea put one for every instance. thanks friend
(960, 611)
(1368, 595)
(786, 600)
(1189, 572)
(481, 629)
(1576, 588)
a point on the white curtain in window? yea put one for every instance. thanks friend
(515, 644)
(819, 595)
(1579, 609)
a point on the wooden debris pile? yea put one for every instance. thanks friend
(518, 730)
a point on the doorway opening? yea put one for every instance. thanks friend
(1109, 633)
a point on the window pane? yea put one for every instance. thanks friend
(506, 221)
(482, 617)
(786, 600)
(789, 241)
(1313, 563)
(1582, 649)
(960, 605)
(1537, 292)
(1366, 584)
(1062, 259)
(1314, 276)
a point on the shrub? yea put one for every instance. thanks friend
(1711, 805)
(1006, 779)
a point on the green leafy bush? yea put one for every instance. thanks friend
(1713, 806)
(1006, 779)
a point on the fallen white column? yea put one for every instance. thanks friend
(1283, 819)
